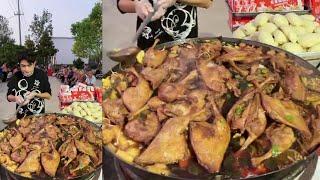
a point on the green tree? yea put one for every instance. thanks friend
(45, 49)
(40, 25)
(78, 63)
(5, 31)
(41, 32)
(30, 45)
(88, 35)
(9, 53)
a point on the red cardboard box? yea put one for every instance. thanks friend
(315, 8)
(265, 5)
(235, 22)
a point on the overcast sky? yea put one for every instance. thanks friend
(64, 13)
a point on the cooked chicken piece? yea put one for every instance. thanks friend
(245, 54)
(68, 150)
(24, 131)
(240, 111)
(143, 129)
(293, 85)
(281, 139)
(198, 98)
(285, 112)
(50, 162)
(312, 83)
(155, 76)
(34, 138)
(177, 108)
(160, 114)
(6, 147)
(215, 76)
(25, 122)
(84, 161)
(256, 122)
(115, 111)
(154, 103)
(180, 67)
(86, 148)
(233, 85)
(66, 121)
(210, 50)
(170, 145)
(16, 140)
(19, 155)
(93, 136)
(154, 57)
(136, 97)
(315, 140)
(210, 141)
(31, 164)
(52, 131)
(169, 92)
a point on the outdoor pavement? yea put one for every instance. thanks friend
(119, 29)
(7, 109)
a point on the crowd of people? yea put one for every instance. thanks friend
(6, 72)
(70, 75)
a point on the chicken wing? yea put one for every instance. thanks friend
(240, 111)
(50, 162)
(285, 112)
(256, 122)
(293, 85)
(210, 141)
(16, 140)
(115, 110)
(155, 57)
(281, 139)
(136, 97)
(86, 148)
(170, 145)
(68, 150)
(169, 92)
(215, 76)
(31, 164)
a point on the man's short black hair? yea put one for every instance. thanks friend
(26, 56)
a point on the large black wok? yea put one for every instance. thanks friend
(16, 176)
(295, 168)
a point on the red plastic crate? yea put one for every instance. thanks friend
(265, 5)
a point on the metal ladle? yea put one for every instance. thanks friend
(126, 56)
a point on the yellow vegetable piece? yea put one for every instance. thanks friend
(268, 27)
(124, 156)
(315, 48)
(293, 47)
(113, 95)
(294, 19)
(262, 19)
(140, 57)
(309, 40)
(280, 20)
(308, 17)
(249, 28)
(106, 83)
(133, 152)
(159, 169)
(279, 37)
(239, 34)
